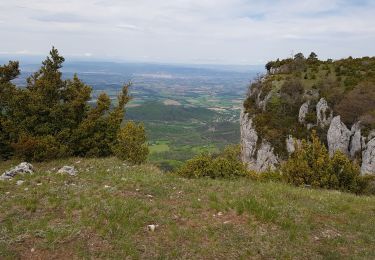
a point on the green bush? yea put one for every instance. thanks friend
(224, 165)
(131, 143)
(311, 165)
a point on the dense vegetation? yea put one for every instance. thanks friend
(309, 165)
(348, 85)
(103, 213)
(51, 117)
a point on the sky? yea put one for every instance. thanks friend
(188, 31)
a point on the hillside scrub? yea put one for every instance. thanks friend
(51, 117)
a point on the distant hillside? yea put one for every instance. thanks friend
(298, 95)
(156, 111)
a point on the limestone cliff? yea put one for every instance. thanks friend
(302, 95)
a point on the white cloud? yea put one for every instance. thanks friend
(222, 31)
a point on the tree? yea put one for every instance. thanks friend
(299, 56)
(51, 117)
(131, 143)
(269, 66)
(7, 92)
(313, 56)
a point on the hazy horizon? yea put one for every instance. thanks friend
(225, 32)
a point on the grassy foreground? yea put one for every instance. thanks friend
(104, 212)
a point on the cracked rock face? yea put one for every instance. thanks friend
(323, 113)
(249, 138)
(257, 159)
(22, 168)
(338, 137)
(368, 158)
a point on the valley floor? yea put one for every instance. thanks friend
(105, 210)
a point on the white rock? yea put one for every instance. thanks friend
(368, 158)
(258, 160)
(304, 109)
(152, 228)
(68, 170)
(355, 145)
(22, 168)
(20, 182)
(291, 144)
(338, 137)
(249, 138)
(266, 159)
(322, 109)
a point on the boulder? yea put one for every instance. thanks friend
(68, 170)
(22, 168)
(323, 113)
(338, 137)
(368, 158)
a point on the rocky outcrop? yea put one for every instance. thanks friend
(266, 158)
(352, 143)
(323, 113)
(368, 158)
(291, 144)
(22, 168)
(338, 137)
(303, 112)
(256, 159)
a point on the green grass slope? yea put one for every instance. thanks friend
(104, 212)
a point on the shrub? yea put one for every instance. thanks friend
(131, 143)
(311, 165)
(270, 176)
(224, 165)
(39, 149)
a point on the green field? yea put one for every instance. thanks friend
(103, 213)
(177, 133)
